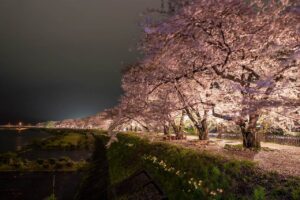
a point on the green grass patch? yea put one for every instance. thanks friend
(12, 162)
(65, 141)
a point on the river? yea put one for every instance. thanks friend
(37, 185)
(13, 140)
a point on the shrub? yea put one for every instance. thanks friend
(71, 146)
(52, 161)
(46, 166)
(64, 158)
(259, 193)
(70, 164)
(40, 161)
(6, 158)
(51, 197)
(296, 194)
(17, 165)
(59, 165)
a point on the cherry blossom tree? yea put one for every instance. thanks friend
(252, 48)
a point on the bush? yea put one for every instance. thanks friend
(6, 158)
(259, 193)
(46, 166)
(40, 161)
(17, 164)
(64, 159)
(190, 130)
(70, 164)
(52, 161)
(51, 197)
(276, 131)
(296, 194)
(59, 165)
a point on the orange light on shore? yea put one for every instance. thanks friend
(20, 123)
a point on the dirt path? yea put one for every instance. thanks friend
(283, 159)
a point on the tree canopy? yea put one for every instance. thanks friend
(229, 59)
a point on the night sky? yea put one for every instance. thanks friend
(62, 58)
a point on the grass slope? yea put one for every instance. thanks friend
(187, 174)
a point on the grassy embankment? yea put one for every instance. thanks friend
(187, 174)
(96, 182)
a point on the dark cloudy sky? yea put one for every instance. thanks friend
(62, 58)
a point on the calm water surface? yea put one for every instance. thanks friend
(12, 140)
(37, 185)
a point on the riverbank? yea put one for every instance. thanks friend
(59, 150)
(52, 161)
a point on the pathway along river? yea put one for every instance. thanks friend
(37, 185)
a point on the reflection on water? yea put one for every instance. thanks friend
(75, 155)
(38, 185)
(13, 140)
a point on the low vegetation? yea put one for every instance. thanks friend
(12, 162)
(187, 174)
(64, 141)
(59, 140)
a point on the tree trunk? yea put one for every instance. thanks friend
(202, 130)
(249, 132)
(166, 130)
(146, 129)
(180, 134)
(181, 123)
(219, 130)
(203, 133)
(177, 131)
